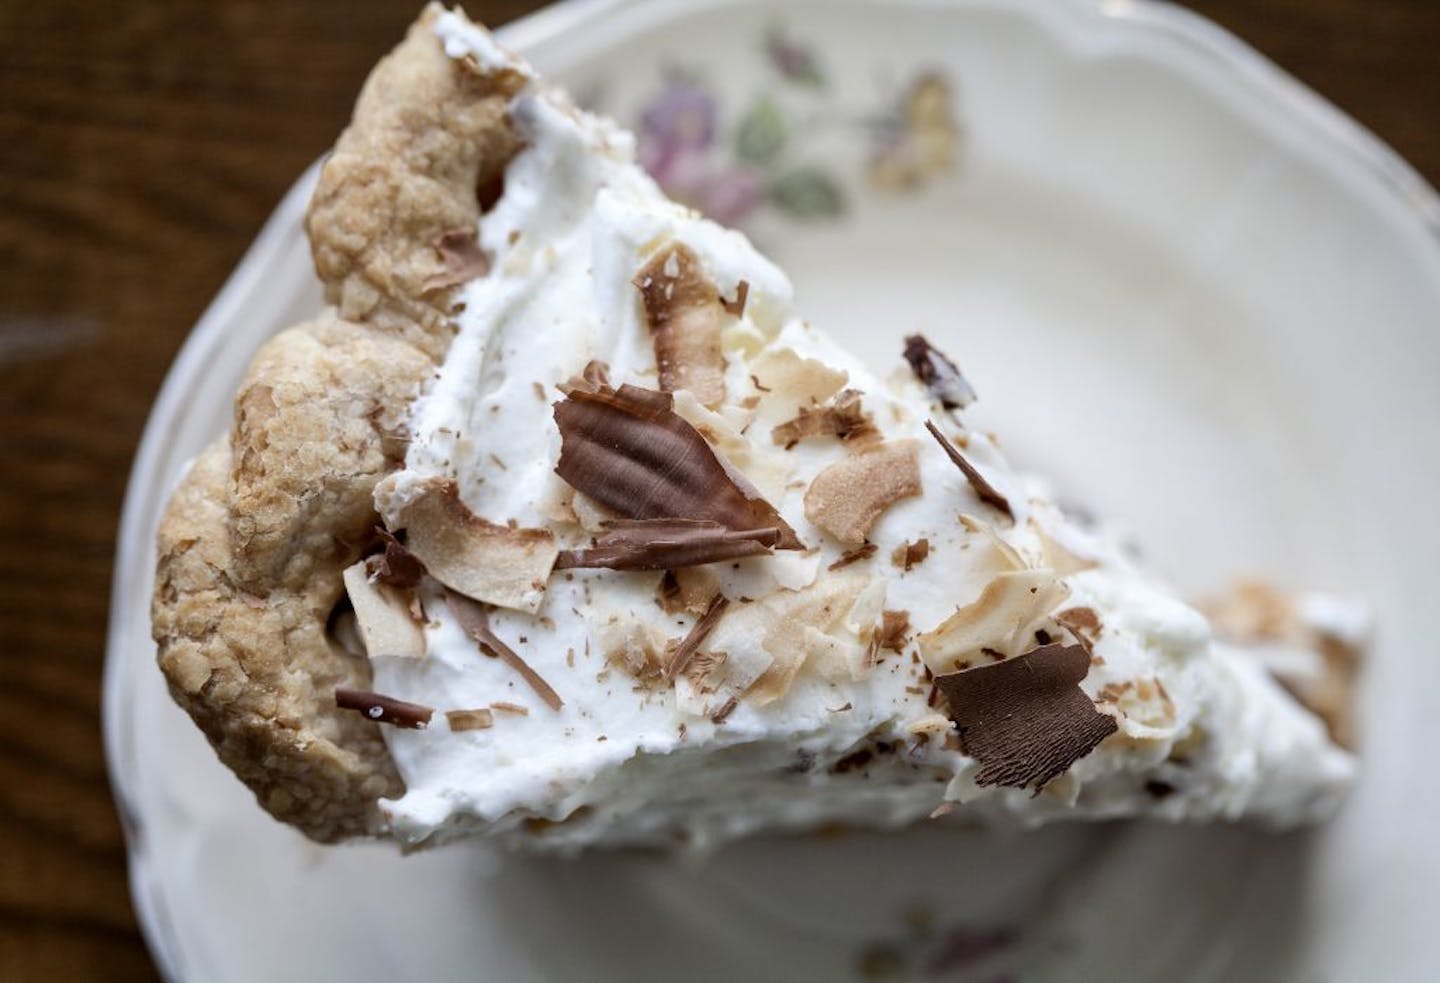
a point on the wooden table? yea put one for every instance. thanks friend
(141, 146)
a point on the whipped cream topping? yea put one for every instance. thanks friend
(1202, 730)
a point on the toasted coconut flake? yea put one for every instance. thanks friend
(462, 720)
(484, 561)
(908, 555)
(739, 639)
(1254, 611)
(688, 589)
(687, 318)
(636, 647)
(395, 566)
(383, 616)
(463, 258)
(940, 375)
(1331, 648)
(931, 723)
(631, 452)
(1006, 556)
(847, 497)
(844, 417)
(798, 624)
(703, 667)
(1026, 719)
(667, 544)
(999, 620)
(1061, 558)
(755, 465)
(983, 488)
(514, 709)
(790, 381)
(690, 644)
(476, 622)
(384, 709)
(760, 646)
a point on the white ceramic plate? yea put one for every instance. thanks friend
(1195, 294)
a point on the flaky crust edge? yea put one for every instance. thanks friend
(253, 541)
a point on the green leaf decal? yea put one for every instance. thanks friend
(808, 193)
(761, 133)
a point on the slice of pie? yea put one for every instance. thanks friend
(560, 525)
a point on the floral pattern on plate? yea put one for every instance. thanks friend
(730, 169)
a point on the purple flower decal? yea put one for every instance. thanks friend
(767, 157)
(732, 194)
(725, 194)
(680, 120)
(677, 140)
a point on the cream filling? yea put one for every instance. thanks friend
(576, 222)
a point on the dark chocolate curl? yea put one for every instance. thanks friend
(631, 452)
(476, 622)
(983, 488)
(396, 566)
(1026, 719)
(667, 544)
(690, 644)
(384, 709)
(940, 375)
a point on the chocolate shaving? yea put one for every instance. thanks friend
(983, 488)
(668, 595)
(497, 564)
(515, 709)
(1084, 623)
(940, 375)
(726, 708)
(892, 634)
(907, 555)
(854, 556)
(894, 630)
(463, 260)
(479, 719)
(593, 378)
(842, 417)
(665, 544)
(690, 644)
(628, 450)
(396, 566)
(736, 308)
(686, 318)
(1025, 720)
(476, 622)
(384, 709)
(703, 666)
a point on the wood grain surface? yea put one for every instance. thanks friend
(142, 144)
